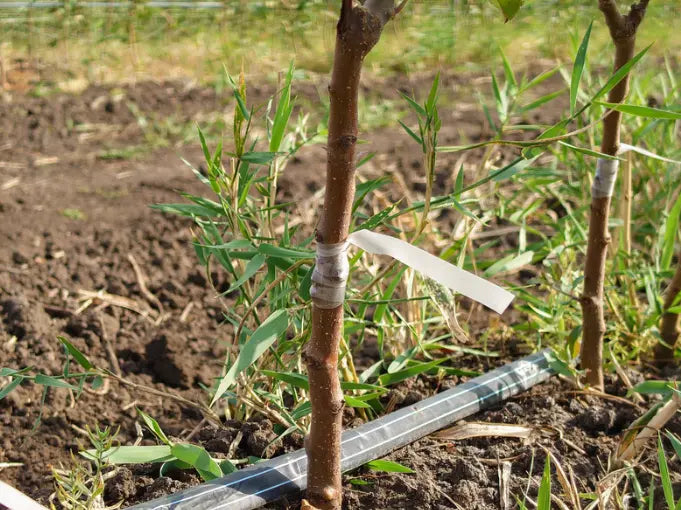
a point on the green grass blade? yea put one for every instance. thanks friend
(620, 74)
(589, 152)
(671, 229)
(642, 111)
(419, 368)
(153, 426)
(7, 389)
(544, 496)
(676, 444)
(283, 113)
(48, 380)
(508, 71)
(664, 475)
(261, 340)
(199, 458)
(252, 267)
(77, 355)
(432, 96)
(388, 466)
(509, 263)
(578, 69)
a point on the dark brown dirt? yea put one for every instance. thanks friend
(72, 220)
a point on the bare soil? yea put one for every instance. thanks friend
(76, 221)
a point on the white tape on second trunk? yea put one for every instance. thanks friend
(455, 278)
(606, 175)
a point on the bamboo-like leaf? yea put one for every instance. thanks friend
(7, 389)
(652, 388)
(258, 158)
(284, 253)
(664, 475)
(589, 152)
(355, 402)
(48, 380)
(510, 171)
(281, 117)
(297, 380)
(432, 96)
(578, 69)
(671, 229)
(676, 443)
(388, 466)
(542, 100)
(261, 340)
(197, 457)
(414, 105)
(364, 188)
(508, 71)
(411, 133)
(153, 426)
(252, 267)
(642, 111)
(539, 79)
(619, 74)
(77, 355)
(419, 368)
(509, 263)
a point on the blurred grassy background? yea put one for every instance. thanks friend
(72, 46)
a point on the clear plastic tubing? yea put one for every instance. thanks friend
(268, 481)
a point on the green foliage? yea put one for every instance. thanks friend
(170, 454)
(388, 466)
(509, 8)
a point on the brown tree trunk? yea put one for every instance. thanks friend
(623, 34)
(359, 29)
(670, 321)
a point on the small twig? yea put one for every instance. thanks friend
(231, 451)
(141, 281)
(113, 358)
(185, 312)
(196, 429)
(625, 378)
(207, 412)
(600, 394)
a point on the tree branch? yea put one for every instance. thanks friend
(623, 27)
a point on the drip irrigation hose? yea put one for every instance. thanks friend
(268, 481)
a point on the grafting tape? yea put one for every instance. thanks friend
(330, 275)
(603, 184)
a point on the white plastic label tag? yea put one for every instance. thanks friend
(625, 147)
(463, 282)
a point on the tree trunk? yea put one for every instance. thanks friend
(623, 34)
(359, 29)
(670, 321)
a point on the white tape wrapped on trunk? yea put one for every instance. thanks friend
(606, 175)
(331, 272)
